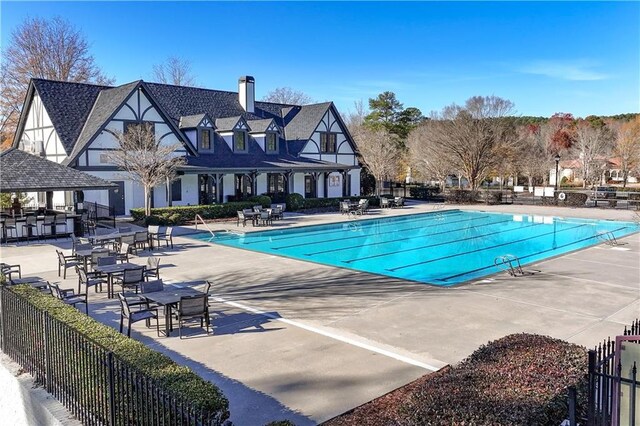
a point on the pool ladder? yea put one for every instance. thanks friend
(204, 223)
(509, 263)
(608, 238)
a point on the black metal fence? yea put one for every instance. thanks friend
(607, 385)
(104, 215)
(92, 382)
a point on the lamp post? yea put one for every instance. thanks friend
(557, 158)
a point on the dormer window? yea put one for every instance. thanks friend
(205, 139)
(328, 142)
(271, 143)
(239, 141)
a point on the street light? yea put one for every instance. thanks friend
(557, 162)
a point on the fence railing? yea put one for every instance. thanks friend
(102, 214)
(92, 382)
(605, 386)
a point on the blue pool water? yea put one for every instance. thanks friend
(439, 248)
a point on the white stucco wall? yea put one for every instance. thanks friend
(298, 183)
(228, 183)
(262, 183)
(39, 129)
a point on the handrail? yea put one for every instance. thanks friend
(204, 223)
(608, 238)
(509, 263)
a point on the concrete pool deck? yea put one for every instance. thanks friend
(305, 342)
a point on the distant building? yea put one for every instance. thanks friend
(234, 146)
(611, 171)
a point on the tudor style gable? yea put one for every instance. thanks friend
(115, 110)
(331, 141)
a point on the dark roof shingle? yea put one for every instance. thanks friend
(21, 172)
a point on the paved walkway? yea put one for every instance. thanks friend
(305, 342)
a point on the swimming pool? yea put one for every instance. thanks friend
(439, 248)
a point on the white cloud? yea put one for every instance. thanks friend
(565, 70)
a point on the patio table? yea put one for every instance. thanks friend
(111, 270)
(85, 255)
(35, 282)
(114, 236)
(168, 298)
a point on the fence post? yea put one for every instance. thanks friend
(572, 406)
(591, 413)
(112, 389)
(47, 354)
(2, 321)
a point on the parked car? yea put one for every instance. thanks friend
(603, 192)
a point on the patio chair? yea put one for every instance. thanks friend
(131, 240)
(265, 218)
(242, 217)
(48, 222)
(132, 317)
(344, 207)
(75, 241)
(106, 260)
(69, 296)
(384, 203)
(123, 252)
(88, 224)
(153, 268)
(61, 222)
(141, 239)
(10, 226)
(151, 286)
(193, 308)
(88, 279)
(257, 209)
(30, 228)
(399, 202)
(130, 278)
(97, 255)
(66, 262)
(166, 236)
(277, 213)
(8, 270)
(363, 207)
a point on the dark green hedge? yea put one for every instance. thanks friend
(175, 378)
(521, 379)
(424, 192)
(296, 202)
(573, 199)
(182, 214)
(461, 196)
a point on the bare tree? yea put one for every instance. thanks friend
(39, 48)
(145, 160)
(287, 95)
(627, 146)
(355, 118)
(174, 70)
(380, 153)
(534, 158)
(474, 135)
(427, 157)
(592, 146)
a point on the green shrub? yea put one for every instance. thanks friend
(178, 215)
(294, 201)
(263, 200)
(521, 379)
(493, 197)
(573, 199)
(461, 196)
(424, 192)
(175, 378)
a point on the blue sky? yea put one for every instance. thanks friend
(546, 57)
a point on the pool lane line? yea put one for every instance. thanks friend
(395, 231)
(430, 217)
(373, 256)
(528, 255)
(397, 239)
(333, 336)
(481, 249)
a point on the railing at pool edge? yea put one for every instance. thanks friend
(213, 235)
